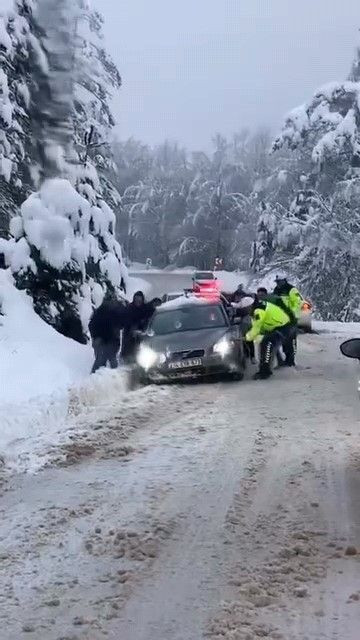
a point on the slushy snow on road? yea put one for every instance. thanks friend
(45, 386)
(227, 511)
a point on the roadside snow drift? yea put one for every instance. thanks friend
(35, 359)
(44, 382)
(38, 365)
(46, 391)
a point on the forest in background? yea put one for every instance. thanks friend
(77, 204)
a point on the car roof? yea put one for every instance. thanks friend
(186, 301)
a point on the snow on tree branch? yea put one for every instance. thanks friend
(328, 122)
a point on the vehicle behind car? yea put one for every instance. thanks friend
(205, 284)
(191, 338)
(204, 276)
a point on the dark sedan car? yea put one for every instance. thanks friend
(188, 338)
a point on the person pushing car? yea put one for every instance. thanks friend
(292, 299)
(275, 325)
(289, 294)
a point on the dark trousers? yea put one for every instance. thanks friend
(250, 349)
(290, 347)
(271, 343)
(105, 352)
(245, 327)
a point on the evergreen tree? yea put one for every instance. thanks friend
(96, 79)
(63, 249)
(321, 229)
(15, 50)
(265, 244)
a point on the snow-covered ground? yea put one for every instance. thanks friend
(38, 366)
(349, 329)
(45, 386)
(46, 391)
(227, 511)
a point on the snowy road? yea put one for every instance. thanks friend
(223, 511)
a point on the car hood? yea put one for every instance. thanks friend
(187, 340)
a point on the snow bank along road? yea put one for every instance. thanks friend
(215, 511)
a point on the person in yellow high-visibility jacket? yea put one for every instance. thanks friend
(289, 294)
(275, 325)
(293, 300)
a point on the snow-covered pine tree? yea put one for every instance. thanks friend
(63, 249)
(265, 244)
(96, 79)
(327, 257)
(154, 211)
(14, 104)
(329, 125)
(215, 224)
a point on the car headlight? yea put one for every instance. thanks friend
(223, 347)
(147, 357)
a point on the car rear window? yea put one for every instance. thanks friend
(204, 275)
(188, 318)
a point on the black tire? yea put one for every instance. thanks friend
(238, 376)
(136, 379)
(241, 368)
(243, 362)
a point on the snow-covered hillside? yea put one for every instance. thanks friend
(35, 359)
(45, 382)
(38, 365)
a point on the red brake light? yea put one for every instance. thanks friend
(208, 290)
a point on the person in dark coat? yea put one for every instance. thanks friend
(262, 294)
(138, 314)
(105, 326)
(242, 305)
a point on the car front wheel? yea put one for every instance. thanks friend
(237, 376)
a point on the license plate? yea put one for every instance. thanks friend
(186, 364)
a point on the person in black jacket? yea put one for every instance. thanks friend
(105, 326)
(243, 304)
(138, 314)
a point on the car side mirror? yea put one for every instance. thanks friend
(351, 348)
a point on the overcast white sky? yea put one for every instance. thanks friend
(194, 67)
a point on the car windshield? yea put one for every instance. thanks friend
(204, 275)
(188, 318)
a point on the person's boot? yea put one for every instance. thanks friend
(289, 362)
(263, 374)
